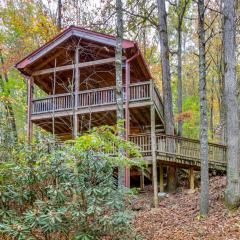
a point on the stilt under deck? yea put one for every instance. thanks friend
(176, 151)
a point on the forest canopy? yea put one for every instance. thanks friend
(26, 25)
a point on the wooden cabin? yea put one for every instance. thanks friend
(75, 72)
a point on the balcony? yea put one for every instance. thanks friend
(139, 94)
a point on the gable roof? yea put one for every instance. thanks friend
(80, 32)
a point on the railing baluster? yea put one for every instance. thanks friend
(94, 97)
(187, 149)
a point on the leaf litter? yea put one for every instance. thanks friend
(177, 217)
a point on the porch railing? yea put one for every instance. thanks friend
(175, 146)
(53, 102)
(95, 97)
(157, 100)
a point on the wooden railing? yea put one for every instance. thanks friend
(156, 98)
(176, 148)
(143, 141)
(185, 148)
(95, 97)
(139, 91)
(54, 102)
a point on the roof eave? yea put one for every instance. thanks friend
(71, 31)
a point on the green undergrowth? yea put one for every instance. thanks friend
(67, 191)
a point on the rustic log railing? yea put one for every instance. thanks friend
(176, 148)
(46, 104)
(157, 100)
(96, 97)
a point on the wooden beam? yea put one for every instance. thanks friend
(94, 37)
(87, 110)
(45, 62)
(56, 128)
(127, 95)
(64, 126)
(112, 117)
(154, 157)
(72, 66)
(43, 85)
(76, 89)
(142, 179)
(49, 47)
(127, 121)
(161, 183)
(29, 110)
(51, 70)
(191, 178)
(133, 119)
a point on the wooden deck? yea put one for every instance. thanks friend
(180, 151)
(102, 99)
(169, 149)
(177, 151)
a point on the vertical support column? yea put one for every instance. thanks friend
(76, 89)
(161, 180)
(127, 122)
(53, 99)
(29, 109)
(151, 90)
(191, 179)
(127, 96)
(154, 159)
(142, 180)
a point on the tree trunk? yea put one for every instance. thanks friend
(7, 104)
(59, 16)
(204, 198)
(166, 83)
(212, 110)
(181, 10)
(179, 70)
(144, 31)
(222, 112)
(230, 90)
(119, 85)
(221, 84)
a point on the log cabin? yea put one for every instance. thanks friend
(75, 72)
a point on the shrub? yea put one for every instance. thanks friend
(67, 191)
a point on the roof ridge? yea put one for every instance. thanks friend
(65, 31)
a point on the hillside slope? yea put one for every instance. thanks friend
(178, 216)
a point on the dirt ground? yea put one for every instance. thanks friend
(177, 216)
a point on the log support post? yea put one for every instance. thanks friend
(127, 114)
(29, 109)
(191, 178)
(154, 158)
(161, 179)
(76, 89)
(142, 180)
(127, 121)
